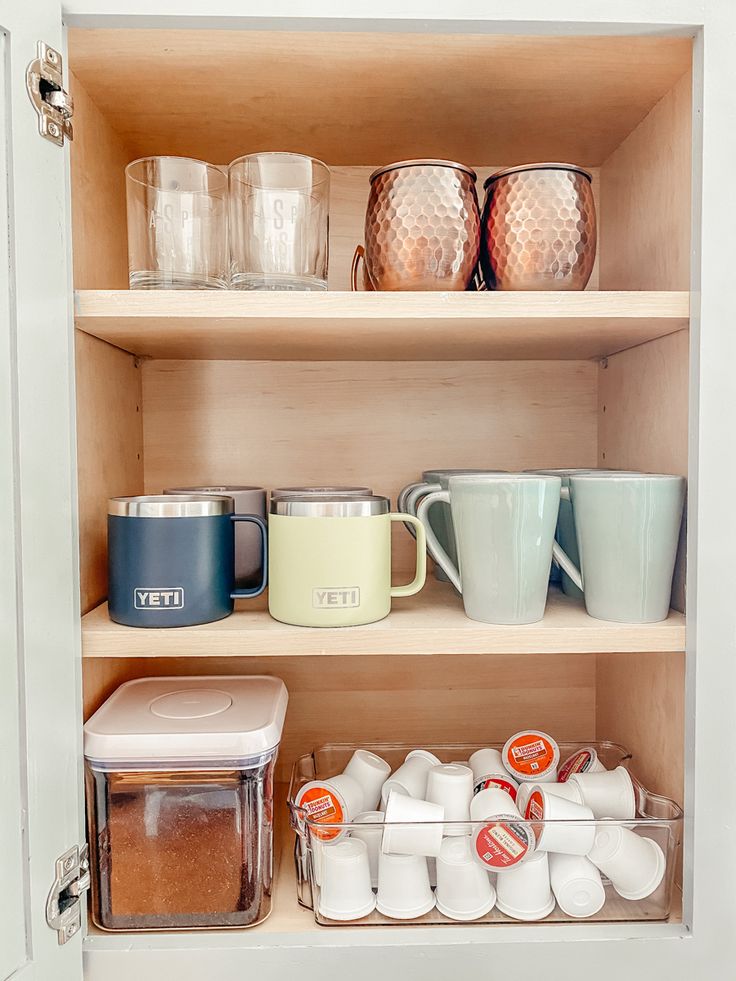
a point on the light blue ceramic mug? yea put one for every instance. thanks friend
(565, 533)
(440, 518)
(504, 528)
(627, 528)
(627, 531)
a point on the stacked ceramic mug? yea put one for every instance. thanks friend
(511, 828)
(612, 534)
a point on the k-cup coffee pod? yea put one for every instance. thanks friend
(371, 772)
(524, 892)
(608, 794)
(570, 791)
(488, 771)
(403, 887)
(550, 815)
(333, 801)
(464, 891)
(583, 760)
(371, 832)
(413, 827)
(634, 864)
(503, 840)
(346, 892)
(451, 786)
(411, 776)
(576, 884)
(531, 756)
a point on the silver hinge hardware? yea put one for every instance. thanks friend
(54, 106)
(71, 881)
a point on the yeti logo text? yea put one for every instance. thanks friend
(336, 598)
(159, 599)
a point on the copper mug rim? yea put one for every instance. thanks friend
(424, 162)
(520, 168)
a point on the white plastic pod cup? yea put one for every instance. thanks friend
(608, 794)
(503, 840)
(550, 815)
(464, 891)
(346, 892)
(403, 886)
(569, 791)
(584, 760)
(371, 772)
(413, 827)
(333, 801)
(576, 884)
(634, 864)
(531, 756)
(371, 832)
(411, 776)
(451, 786)
(524, 892)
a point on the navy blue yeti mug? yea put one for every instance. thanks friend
(171, 559)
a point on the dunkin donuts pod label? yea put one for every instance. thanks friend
(579, 762)
(322, 805)
(503, 844)
(531, 754)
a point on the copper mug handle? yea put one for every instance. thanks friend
(359, 254)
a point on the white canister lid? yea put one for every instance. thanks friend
(228, 718)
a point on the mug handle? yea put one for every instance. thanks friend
(358, 255)
(435, 549)
(419, 491)
(562, 558)
(256, 590)
(404, 493)
(421, 575)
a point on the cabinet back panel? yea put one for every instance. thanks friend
(443, 698)
(380, 423)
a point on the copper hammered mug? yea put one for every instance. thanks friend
(422, 228)
(539, 228)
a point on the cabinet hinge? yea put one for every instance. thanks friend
(71, 881)
(54, 106)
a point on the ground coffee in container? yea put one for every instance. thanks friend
(180, 802)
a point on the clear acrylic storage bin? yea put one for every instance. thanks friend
(179, 777)
(657, 818)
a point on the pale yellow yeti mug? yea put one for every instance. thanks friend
(330, 560)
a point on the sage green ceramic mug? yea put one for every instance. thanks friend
(627, 527)
(440, 517)
(504, 530)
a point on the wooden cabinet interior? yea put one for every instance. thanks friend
(618, 105)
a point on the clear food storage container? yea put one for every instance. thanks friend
(643, 870)
(179, 775)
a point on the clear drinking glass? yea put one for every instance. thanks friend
(177, 224)
(279, 222)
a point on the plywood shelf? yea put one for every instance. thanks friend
(431, 623)
(337, 326)
(290, 925)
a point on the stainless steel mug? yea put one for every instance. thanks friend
(331, 560)
(171, 559)
(247, 500)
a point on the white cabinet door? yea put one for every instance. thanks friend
(40, 772)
